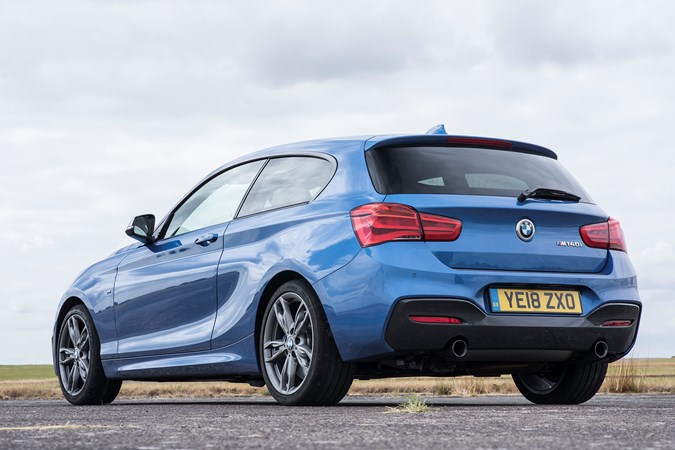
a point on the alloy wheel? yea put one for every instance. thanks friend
(288, 343)
(74, 354)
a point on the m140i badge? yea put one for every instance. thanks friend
(568, 244)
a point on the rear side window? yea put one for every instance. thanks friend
(287, 181)
(466, 171)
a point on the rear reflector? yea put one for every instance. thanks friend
(604, 235)
(479, 141)
(376, 223)
(436, 319)
(617, 323)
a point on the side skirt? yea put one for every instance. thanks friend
(235, 362)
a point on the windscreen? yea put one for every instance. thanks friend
(466, 171)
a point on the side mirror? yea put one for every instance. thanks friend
(141, 228)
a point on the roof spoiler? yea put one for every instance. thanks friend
(442, 140)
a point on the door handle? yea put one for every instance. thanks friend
(206, 239)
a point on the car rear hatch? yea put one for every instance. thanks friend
(479, 181)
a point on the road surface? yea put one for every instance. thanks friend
(607, 421)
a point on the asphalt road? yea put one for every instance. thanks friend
(607, 421)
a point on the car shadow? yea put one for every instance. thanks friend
(450, 402)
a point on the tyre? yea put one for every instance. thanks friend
(80, 372)
(572, 384)
(298, 356)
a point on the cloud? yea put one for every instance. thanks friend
(533, 32)
(656, 265)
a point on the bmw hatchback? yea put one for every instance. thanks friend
(306, 266)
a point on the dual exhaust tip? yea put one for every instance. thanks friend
(460, 347)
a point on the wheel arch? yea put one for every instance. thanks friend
(66, 305)
(266, 296)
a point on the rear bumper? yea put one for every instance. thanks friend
(360, 299)
(510, 337)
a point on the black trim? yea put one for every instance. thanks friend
(507, 336)
(250, 186)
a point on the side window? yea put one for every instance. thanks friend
(215, 202)
(287, 181)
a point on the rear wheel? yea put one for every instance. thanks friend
(299, 359)
(80, 372)
(572, 384)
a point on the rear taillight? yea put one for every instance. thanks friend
(439, 228)
(604, 235)
(376, 223)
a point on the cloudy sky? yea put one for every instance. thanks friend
(110, 109)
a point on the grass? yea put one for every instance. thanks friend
(625, 376)
(414, 404)
(26, 372)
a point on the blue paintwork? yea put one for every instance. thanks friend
(165, 295)
(488, 239)
(177, 309)
(94, 287)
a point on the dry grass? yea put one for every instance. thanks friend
(29, 389)
(198, 389)
(49, 389)
(641, 376)
(414, 404)
(462, 387)
(625, 376)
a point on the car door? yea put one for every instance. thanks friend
(262, 236)
(166, 292)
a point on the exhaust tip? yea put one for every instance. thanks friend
(601, 349)
(459, 348)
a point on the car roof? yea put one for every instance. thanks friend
(342, 146)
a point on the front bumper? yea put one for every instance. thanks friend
(510, 337)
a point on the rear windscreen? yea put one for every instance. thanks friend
(466, 171)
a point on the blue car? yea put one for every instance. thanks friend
(306, 266)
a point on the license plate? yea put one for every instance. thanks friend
(549, 301)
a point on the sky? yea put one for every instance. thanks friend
(109, 109)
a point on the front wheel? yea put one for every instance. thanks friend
(299, 359)
(80, 372)
(572, 384)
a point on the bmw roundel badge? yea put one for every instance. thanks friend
(525, 230)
